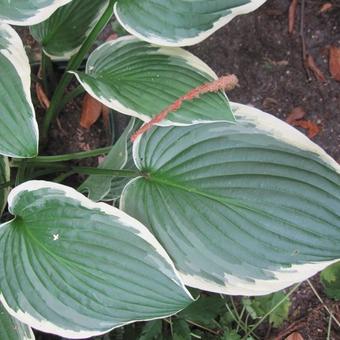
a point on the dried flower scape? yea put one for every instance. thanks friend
(226, 83)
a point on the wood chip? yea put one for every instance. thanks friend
(91, 111)
(312, 128)
(334, 62)
(41, 95)
(326, 7)
(292, 15)
(296, 114)
(295, 119)
(295, 336)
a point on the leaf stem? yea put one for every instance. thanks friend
(81, 169)
(241, 325)
(104, 172)
(240, 318)
(6, 184)
(67, 157)
(323, 303)
(73, 64)
(329, 328)
(202, 327)
(63, 176)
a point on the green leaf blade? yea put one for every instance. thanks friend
(330, 278)
(247, 208)
(260, 306)
(181, 330)
(83, 268)
(63, 33)
(143, 79)
(152, 330)
(19, 129)
(28, 12)
(185, 22)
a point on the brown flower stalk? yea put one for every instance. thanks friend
(225, 83)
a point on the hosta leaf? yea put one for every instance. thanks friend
(142, 79)
(178, 22)
(77, 268)
(246, 208)
(18, 127)
(28, 12)
(109, 188)
(64, 32)
(4, 177)
(12, 329)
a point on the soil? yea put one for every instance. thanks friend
(268, 61)
(269, 64)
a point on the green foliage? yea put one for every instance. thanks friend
(206, 179)
(151, 331)
(154, 77)
(204, 310)
(61, 240)
(18, 127)
(181, 330)
(330, 278)
(61, 37)
(195, 23)
(224, 197)
(28, 12)
(231, 335)
(258, 307)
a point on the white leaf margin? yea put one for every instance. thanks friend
(40, 15)
(132, 224)
(280, 130)
(154, 39)
(15, 53)
(189, 58)
(284, 277)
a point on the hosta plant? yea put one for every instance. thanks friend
(208, 194)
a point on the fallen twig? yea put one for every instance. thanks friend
(303, 42)
(292, 15)
(310, 64)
